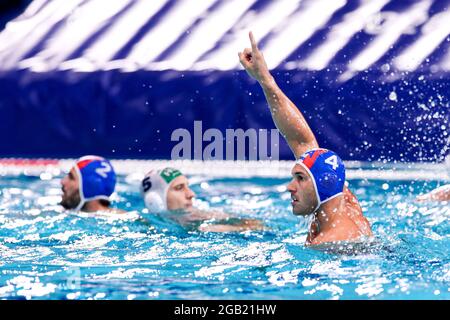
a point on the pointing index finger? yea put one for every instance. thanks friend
(253, 42)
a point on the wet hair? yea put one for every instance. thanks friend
(105, 203)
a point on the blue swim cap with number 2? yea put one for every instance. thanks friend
(97, 179)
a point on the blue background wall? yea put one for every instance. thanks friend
(133, 114)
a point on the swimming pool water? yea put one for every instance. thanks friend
(49, 253)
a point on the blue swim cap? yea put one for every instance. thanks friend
(327, 171)
(97, 179)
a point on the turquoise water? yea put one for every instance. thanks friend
(48, 253)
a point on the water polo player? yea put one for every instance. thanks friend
(318, 184)
(167, 191)
(88, 185)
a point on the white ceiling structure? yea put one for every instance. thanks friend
(89, 35)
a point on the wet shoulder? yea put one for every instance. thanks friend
(351, 200)
(354, 211)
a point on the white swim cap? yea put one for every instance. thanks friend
(154, 188)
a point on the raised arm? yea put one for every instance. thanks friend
(286, 116)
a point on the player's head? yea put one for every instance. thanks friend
(318, 176)
(166, 189)
(91, 178)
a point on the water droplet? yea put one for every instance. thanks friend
(393, 96)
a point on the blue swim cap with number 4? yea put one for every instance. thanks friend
(327, 171)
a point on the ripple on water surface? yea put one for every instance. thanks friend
(49, 253)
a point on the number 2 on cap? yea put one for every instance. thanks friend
(103, 171)
(332, 161)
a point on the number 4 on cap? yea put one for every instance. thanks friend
(332, 161)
